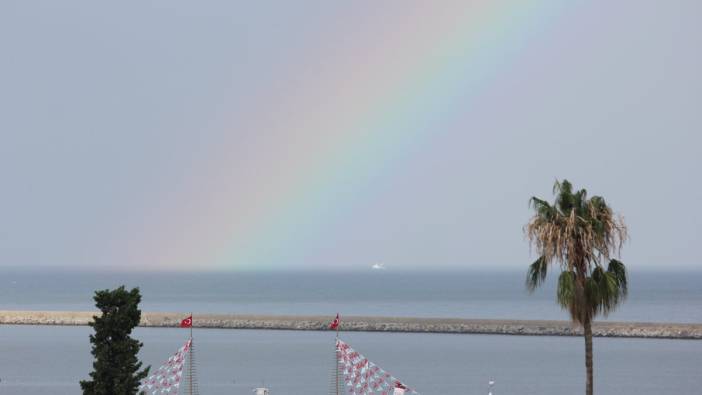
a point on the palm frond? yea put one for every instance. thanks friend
(556, 187)
(542, 208)
(602, 291)
(536, 275)
(618, 270)
(565, 292)
(565, 200)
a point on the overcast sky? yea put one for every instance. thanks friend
(179, 135)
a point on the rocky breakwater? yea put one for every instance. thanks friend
(375, 324)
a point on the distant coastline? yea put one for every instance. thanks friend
(375, 324)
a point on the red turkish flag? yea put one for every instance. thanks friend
(335, 324)
(187, 323)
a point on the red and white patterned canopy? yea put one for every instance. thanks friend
(167, 378)
(363, 377)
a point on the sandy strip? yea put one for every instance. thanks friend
(374, 324)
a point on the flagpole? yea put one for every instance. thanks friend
(190, 367)
(336, 356)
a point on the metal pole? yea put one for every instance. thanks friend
(190, 355)
(336, 356)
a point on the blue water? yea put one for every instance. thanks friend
(52, 360)
(655, 297)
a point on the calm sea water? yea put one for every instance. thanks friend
(51, 360)
(658, 297)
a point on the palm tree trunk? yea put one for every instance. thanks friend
(587, 329)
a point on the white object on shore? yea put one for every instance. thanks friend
(398, 391)
(262, 391)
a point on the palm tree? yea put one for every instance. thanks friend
(581, 235)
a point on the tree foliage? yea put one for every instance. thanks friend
(116, 369)
(581, 234)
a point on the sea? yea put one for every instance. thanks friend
(53, 359)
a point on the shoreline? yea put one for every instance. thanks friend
(646, 330)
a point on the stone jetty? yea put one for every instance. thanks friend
(375, 324)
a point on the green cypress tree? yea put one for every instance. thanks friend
(116, 370)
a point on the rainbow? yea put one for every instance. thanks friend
(355, 105)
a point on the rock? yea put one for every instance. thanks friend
(373, 324)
